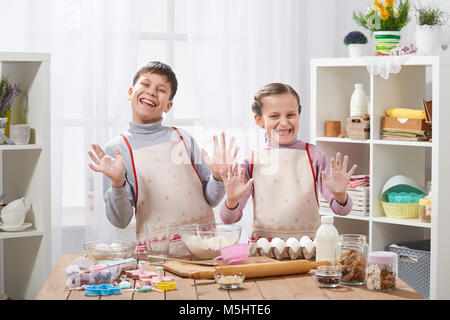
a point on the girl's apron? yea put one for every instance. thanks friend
(285, 194)
(169, 193)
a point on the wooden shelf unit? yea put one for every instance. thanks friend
(25, 172)
(332, 84)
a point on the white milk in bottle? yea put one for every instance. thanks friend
(358, 101)
(327, 241)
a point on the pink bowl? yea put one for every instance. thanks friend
(235, 253)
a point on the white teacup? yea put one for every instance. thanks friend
(21, 205)
(14, 213)
(13, 219)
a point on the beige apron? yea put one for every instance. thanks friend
(169, 192)
(285, 195)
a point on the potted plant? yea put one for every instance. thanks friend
(385, 21)
(355, 41)
(8, 92)
(429, 20)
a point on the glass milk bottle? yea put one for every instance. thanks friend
(327, 241)
(358, 102)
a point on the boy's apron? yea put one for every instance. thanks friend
(285, 195)
(169, 192)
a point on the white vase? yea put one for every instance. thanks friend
(19, 133)
(356, 50)
(428, 40)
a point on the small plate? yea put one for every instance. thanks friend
(22, 227)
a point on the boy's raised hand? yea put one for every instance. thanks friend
(235, 187)
(338, 180)
(114, 168)
(221, 158)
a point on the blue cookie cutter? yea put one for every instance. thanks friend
(102, 289)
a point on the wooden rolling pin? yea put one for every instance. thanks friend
(199, 262)
(258, 270)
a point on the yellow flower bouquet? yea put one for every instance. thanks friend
(385, 21)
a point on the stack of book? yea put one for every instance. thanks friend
(405, 125)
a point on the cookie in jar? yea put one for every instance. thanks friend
(382, 270)
(353, 259)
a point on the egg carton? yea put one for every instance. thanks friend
(292, 248)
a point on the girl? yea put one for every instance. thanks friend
(283, 178)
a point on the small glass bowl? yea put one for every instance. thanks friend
(109, 249)
(229, 281)
(205, 240)
(328, 276)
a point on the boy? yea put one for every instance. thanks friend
(159, 170)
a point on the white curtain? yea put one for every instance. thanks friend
(93, 46)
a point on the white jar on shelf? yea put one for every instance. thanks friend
(359, 102)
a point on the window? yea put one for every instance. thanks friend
(163, 37)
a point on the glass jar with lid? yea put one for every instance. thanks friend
(425, 209)
(382, 270)
(353, 259)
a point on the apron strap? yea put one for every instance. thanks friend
(252, 164)
(312, 170)
(134, 171)
(182, 139)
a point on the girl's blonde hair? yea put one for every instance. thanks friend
(272, 89)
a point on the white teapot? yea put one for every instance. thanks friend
(19, 206)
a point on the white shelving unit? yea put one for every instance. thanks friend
(332, 84)
(25, 172)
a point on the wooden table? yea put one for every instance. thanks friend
(292, 287)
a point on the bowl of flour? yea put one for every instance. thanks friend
(205, 240)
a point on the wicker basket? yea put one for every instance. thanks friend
(401, 210)
(400, 183)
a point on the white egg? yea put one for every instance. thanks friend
(262, 242)
(263, 245)
(308, 245)
(293, 248)
(277, 243)
(293, 244)
(279, 247)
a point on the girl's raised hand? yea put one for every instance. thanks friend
(235, 187)
(114, 168)
(338, 179)
(221, 158)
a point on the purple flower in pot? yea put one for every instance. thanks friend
(356, 42)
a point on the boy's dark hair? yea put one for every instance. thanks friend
(161, 69)
(272, 89)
